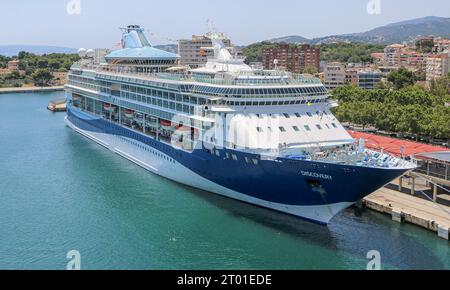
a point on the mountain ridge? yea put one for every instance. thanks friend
(406, 30)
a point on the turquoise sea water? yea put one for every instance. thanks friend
(62, 192)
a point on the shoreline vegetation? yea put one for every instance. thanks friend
(410, 111)
(31, 70)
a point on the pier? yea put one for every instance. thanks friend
(410, 208)
(31, 89)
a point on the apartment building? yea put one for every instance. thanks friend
(392, 54)
(337, 74)
(438, 65)
(291, 57)
(195, 52)
(334, 75)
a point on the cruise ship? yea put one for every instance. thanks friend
(264, 137)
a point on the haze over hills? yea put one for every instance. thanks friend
(393, 33)
(291, 39)
(12, 50)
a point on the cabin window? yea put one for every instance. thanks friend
(334, 125)
(234, 157)
(309, 114)
(259, 129)
(307, 128)
(296, 129)
(297, 115)
(282, 129)
(319, 127)
(286, 115)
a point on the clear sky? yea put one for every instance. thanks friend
(47, 22)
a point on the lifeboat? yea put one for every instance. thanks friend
(167, 125)
(129, 113)
(108, 107)
(183, 129)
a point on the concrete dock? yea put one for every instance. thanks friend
(411, 209)
(31, 89)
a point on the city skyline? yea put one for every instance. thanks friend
(96, 23)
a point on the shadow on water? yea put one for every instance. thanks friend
(353, 232)
(350, 233)
(279, 222)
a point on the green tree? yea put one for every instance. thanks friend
(12, 75)
(310, 69)
(440, 87)
(425, 46)
(23, 55)
(349, 52)
(411, 110)
(54, 64)
(401, 78)
(253, 52)
(42, 77)
(42, 63)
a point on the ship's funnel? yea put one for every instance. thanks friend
(134, 37)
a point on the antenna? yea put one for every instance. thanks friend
(212, 31)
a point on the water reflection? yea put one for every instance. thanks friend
(349, 234)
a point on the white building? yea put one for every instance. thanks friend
(334, 75)
(392, 54)
(437, 66)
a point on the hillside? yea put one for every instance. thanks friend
(408, 30)
(291, 39)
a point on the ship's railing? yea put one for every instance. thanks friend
(349, 155)
(254, 78)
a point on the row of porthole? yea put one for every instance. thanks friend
(234, 157)
(148, 150)
(296, 128)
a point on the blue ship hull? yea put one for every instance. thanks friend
(281, 182)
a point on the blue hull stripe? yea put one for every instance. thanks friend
(280, 182)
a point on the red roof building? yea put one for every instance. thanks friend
(394, 146)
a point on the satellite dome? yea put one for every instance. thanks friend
(82, 52)
(90, 53)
